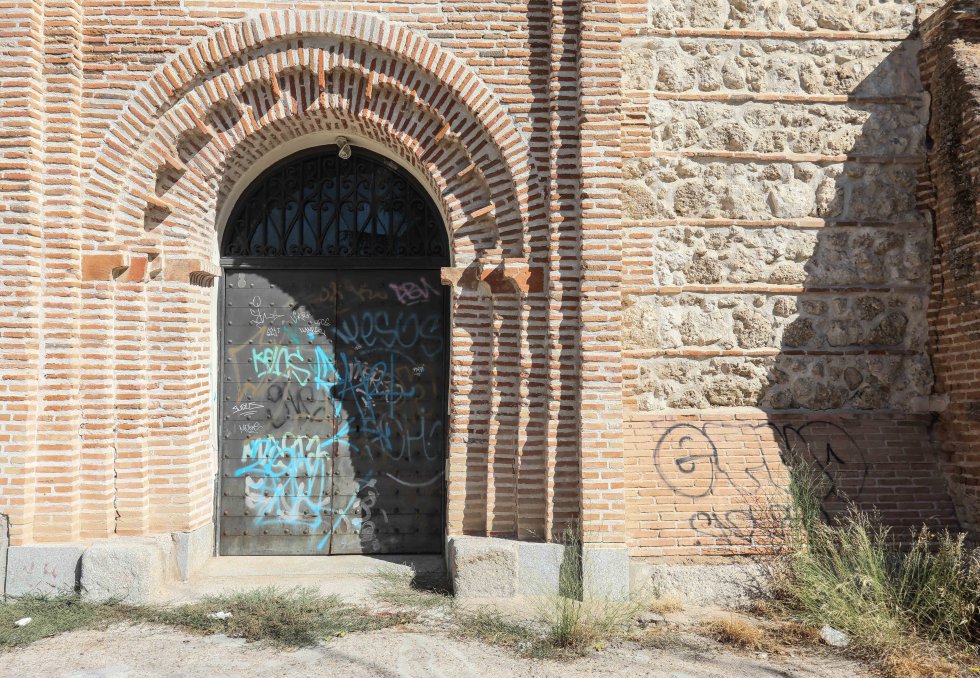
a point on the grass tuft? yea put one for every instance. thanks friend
(666, 604)
(577, 621)
(905, 605)
(795, 634)
(402, 588)
(492, 627)
(917, 660)
(51, 616)
(737, 632)
(283, 617)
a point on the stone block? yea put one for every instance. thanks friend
(483, 567)
(130, 571)
(801, 16)
(707, 188)
(872, 68)
(695, 255)
(192, 549)
(45, 569)
(863, 382)
(4, 544)
(729, 585)
(539, 568)
(813, 321)
(605, 572)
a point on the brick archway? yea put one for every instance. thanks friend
(160, 182)
(285, 64)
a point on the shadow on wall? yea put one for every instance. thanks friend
(798, 285)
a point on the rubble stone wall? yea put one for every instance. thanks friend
(776, 266)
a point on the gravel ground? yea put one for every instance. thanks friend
(409, 652)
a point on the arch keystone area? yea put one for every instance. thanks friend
(260, 60)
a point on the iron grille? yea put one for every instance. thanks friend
(316, 204)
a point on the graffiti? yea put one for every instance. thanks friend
(284, 488)
(425, 483)
(349, 424)
(688, 461)
(287, 446)
(829, 448)
(280, 361)
(683, 464)
(740, 526)
(367, 293)
(289, 401)
(357, 516)
(263, 317)
(409, 293)
(376, 329)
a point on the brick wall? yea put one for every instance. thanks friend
(712, 484)
(660, 212)
(155, 115)
(951, 72)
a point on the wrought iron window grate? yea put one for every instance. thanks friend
(316, 204)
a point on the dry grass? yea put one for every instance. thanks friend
(737, 632)
(764, 608)
(403, 589)
(795, 634)
(577, 621)
(912, 608)
(777, 638)
(666, 604)
(659, 637)
(286, 618)
(283, 617)
(490, 626)
(916, 662)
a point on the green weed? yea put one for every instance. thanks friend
(284, 617)
(51, 616)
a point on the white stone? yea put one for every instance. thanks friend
(791, 200)
(605, 572)
(833, 637)
(130, 571)
(42, 569)
(539, 568)
(192, 549)
(483, 567)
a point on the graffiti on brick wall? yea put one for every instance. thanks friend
(339, 419)
(745, 495)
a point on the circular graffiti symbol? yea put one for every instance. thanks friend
(686, 460)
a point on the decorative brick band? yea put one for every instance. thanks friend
(390, 68)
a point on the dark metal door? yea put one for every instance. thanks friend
(333, 407)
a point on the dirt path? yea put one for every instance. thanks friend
(137, 651)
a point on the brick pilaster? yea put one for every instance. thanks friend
(601, 399)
